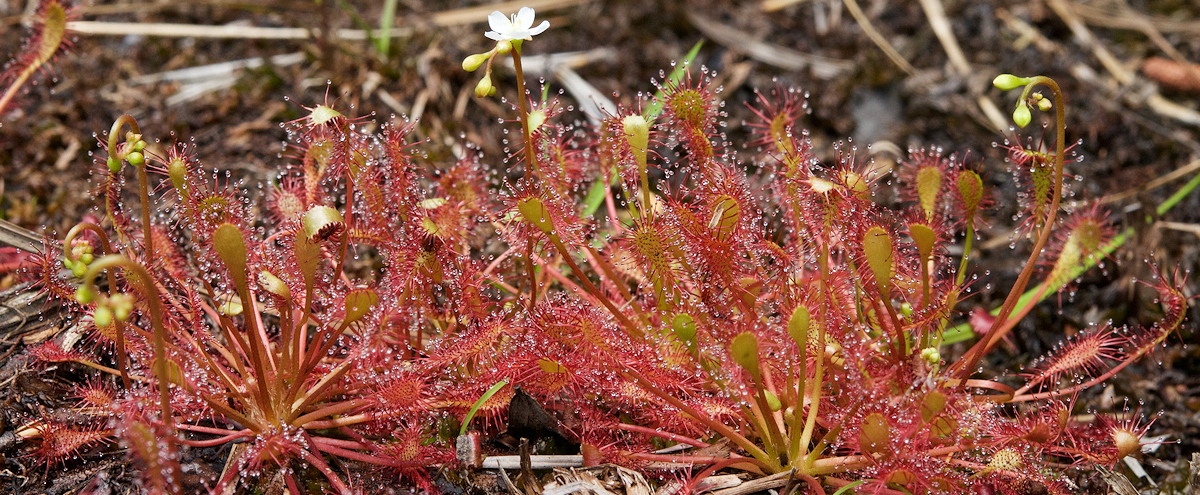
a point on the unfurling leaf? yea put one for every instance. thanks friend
(322, 222)
(798, 326)
(745, 353)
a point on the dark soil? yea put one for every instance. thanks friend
(46, 139)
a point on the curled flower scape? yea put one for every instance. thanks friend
(518, 27)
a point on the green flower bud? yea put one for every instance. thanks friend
(1021, 115)
(78, 268)
(1009, 81)
(102, 317)
(84, 295)
(485, 88)
(114, 165)
(135, 158)
(122, 305)
(931, 355)
(473, 62)
(503, 47)
(1044, 104)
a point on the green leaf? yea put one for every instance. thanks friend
(924, 237)
(230, 246)
(725, 216)
(873, 438)
(929, 184)
(358, 303)
(798, 326)
(534, 211)
(684, 328)
(478, 404)
(877, 247)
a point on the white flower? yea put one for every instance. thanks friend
(519, 27)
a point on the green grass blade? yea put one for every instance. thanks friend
(462, 430)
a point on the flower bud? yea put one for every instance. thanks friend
(122, 306)
(135, 158)
(102, 317)
(1021, 115)
(1009, 81)
(485, 88)
(503, 47)
(931, 355)
(1044, 104)
(114, 165)
(473, 62)
(78, 268)
(84, 295)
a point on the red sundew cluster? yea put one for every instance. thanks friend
(784, 321)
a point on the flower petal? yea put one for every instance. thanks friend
(499, 22)
(524, 18)
(541, 28)
(492, 35)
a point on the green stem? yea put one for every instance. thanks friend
(149, 291)
(964, 366)
(810, 422)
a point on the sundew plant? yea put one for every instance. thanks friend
(759, 312)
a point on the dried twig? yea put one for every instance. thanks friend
(1174, 175)
(945, 34)
(877, 38)
(778, 56)
(454, 17)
